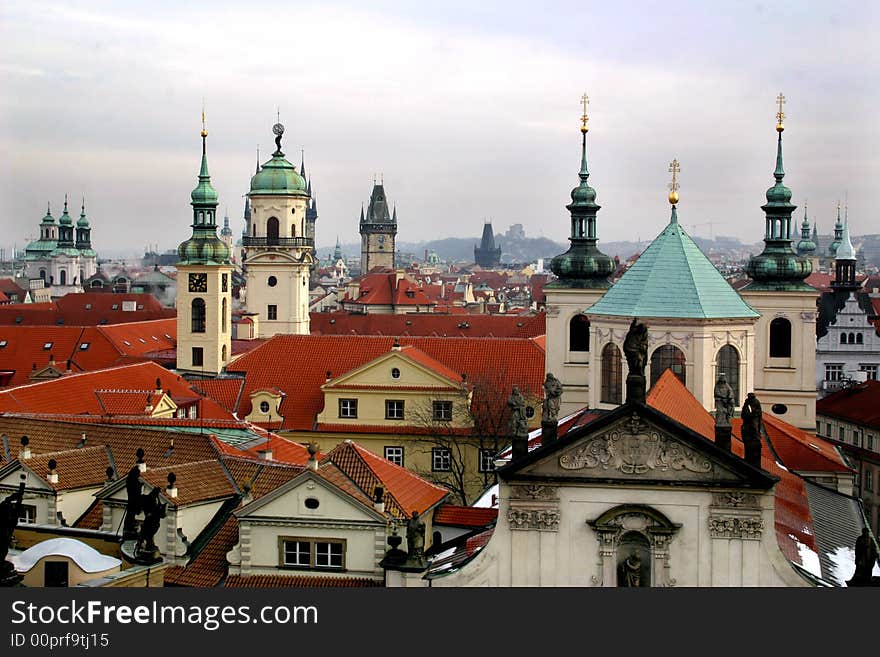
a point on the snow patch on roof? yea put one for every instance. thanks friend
(844, 564)
(489, 499)
(809, 558)
(85, 556)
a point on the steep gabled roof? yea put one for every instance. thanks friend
(673, 278)
(859, 404)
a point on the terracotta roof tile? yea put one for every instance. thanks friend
(464, 516)
(859, 403)
(199, 481)
(225, 392)
(210, 565)
(87, 309)
(76, 468)
(93, 518)
(429, 324)
(299, 582)
(262, 476)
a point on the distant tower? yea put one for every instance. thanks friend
(204, 286)
(838, 236)
(226, 233)
(785, 335)
(378, 230)
(487, 255)
(279, 250)
(807, 246)
(845, 264)
(582, 278)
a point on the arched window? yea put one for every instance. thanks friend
(223, 318)
(843, 338)
(859, 338)
(198, 315)
(43, 274)
(579, 333)
(612, 375)
(223, 353)
(780, 338)
(667, 357)
(727, 361)
(272, 230)
(63, 276)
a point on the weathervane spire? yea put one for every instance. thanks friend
(585, 100)
(780, 115)
(674, 169)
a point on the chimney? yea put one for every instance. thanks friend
(111, 475)
(141, 464)
(82, 441)
(265, 454)
(158, 386)
(68, 370)
(396, 345)
(246, 497)
(52, 360)
(171, 489)
(52, 477)
(25, 452)
(379, 499)
(313, 462)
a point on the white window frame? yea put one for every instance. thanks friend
(441, 459)
(394, 453)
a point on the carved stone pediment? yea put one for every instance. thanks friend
(634, 448)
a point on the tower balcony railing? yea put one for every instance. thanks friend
(283, 242)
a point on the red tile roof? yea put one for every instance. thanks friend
(299, 582)
(88, 309)
(76, 468)
(76, 394)
(283, 450)
(493, 365)
(464, 516)
(199, 481)
(405, 491)
(385, 288)
(93, 518)
(210, 565)
(802, 451)
(859, 404)
(226, 392)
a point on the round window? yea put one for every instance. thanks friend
(272, 281)
(264, 407)
(530, 412)
(779, 409)
(395, 373)
(312, 503)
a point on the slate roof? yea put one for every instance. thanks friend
(672, 278)
(838, 521)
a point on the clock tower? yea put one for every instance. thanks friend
(378, 232)
(204, 285)
(280, 246)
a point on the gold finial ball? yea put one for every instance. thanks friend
(204, 133)
(780, 127)
(584, 129)
(673, 197)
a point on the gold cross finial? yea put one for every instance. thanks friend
(780, 115)
(204, 131)
(585, 100)
(674, 169)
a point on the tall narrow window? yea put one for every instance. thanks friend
(728, 364)
(780, 338)
(579, 333)
(198, 315)
(667, 357)
(198, 356)
(272, 230)
(612, 375)
(272, 311)
(63, 277)
(224, 312)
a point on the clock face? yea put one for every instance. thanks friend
(198, 282)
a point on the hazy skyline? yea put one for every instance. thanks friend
(469, 112)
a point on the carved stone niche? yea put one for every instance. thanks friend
(625, 520)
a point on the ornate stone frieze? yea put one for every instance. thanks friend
(735, 500)
(808, 317)
(552, 311)
(540, 519)
(533, 492)
(749, 528)
(632, 448)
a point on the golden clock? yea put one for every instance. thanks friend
(198, 282)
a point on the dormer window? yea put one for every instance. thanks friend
(84, 346)
(47, 345)
(3, 343)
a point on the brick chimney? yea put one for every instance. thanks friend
(265, 454)
(313, 462)
(25, 452)
(171, 488)
(52, 477)
(141, 464)
(379, 499)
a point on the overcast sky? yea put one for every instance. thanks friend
(469, 109)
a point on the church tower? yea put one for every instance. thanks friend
(845, 264)
(582, 278)
(204, 285)
(279, 248)
(487, 255)
(785, 335)
(807, 246)
(378, 232)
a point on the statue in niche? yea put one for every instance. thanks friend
(724, 402)
(630, 570)
(635, 347)
(634, 565)
(552, 397)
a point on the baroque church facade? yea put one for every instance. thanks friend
(762, 339)
(62, 256)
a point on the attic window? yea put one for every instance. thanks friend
(115, 306)
(140, 306)
(59, 321)
(155, 338)
(84, 346)
(142, 340)
(3, 343)
(18, 320)
(47, 345)
(126, 343)
(395, 373)
(103, 320)
(88, 306)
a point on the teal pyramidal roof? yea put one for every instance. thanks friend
(673, 278)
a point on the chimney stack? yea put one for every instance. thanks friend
(52, 477)
(82, 441)
(313, 462)
(111, 475)
(25, 452)
(171, 489)
(379, 499)
(265, 454)
(141, 464)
